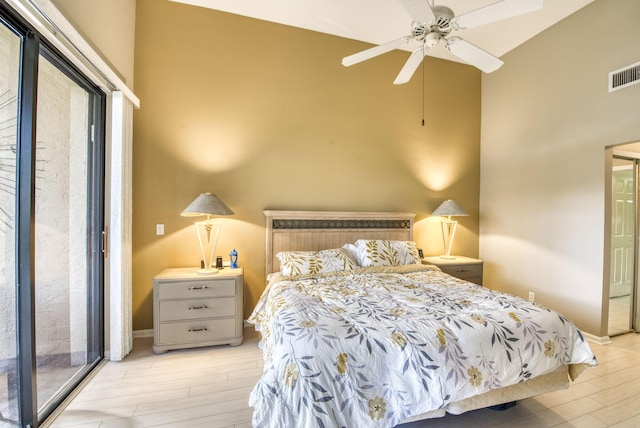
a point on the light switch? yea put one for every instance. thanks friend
(159, 229)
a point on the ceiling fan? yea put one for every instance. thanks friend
(432, 23)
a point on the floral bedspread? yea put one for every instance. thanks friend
(374, 346)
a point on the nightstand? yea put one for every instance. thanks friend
(191, 310)
(461, 267)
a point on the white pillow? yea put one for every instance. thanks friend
(294, 263)
(377, 252)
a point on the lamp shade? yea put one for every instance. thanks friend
(449, 208)
(206, 204)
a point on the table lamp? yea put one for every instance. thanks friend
(448, 208)
(209, 229)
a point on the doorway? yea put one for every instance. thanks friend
(624, 277)
(623, 249)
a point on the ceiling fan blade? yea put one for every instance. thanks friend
(473, 55)
(410, 66)
(419, 10)
(495, 12)
(374, 51)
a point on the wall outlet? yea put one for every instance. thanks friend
(159, 229)
(532, 296)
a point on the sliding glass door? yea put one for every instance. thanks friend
(51, 222)
(62, 230)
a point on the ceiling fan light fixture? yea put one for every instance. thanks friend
(432, 39)
(419, 30)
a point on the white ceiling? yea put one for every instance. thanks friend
(379, 21)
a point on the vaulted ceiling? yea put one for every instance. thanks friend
(379, 21)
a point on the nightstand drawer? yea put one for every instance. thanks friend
(197, 289)
(470, 272)
(197, 331)
(194, 309)
(461, 267)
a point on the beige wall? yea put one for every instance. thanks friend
(266, 117)
(109, 25)
(546, 120)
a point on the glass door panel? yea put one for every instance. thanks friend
(9, 81)
(62, 232)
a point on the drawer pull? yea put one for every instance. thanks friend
(462, 270)
(199, 287)
(193, 308)
(195, 330)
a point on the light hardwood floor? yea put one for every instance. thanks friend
(209, 387)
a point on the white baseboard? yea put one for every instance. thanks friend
(603, 340)
(142, 333)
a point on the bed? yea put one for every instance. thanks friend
(357, 332)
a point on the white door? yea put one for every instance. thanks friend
(622, 230)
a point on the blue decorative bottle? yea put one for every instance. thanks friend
(233, 256)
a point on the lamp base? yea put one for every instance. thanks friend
(444, 256)
(209, 271)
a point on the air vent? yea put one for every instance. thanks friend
(624, 77)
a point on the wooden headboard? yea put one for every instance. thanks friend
(320, 230)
